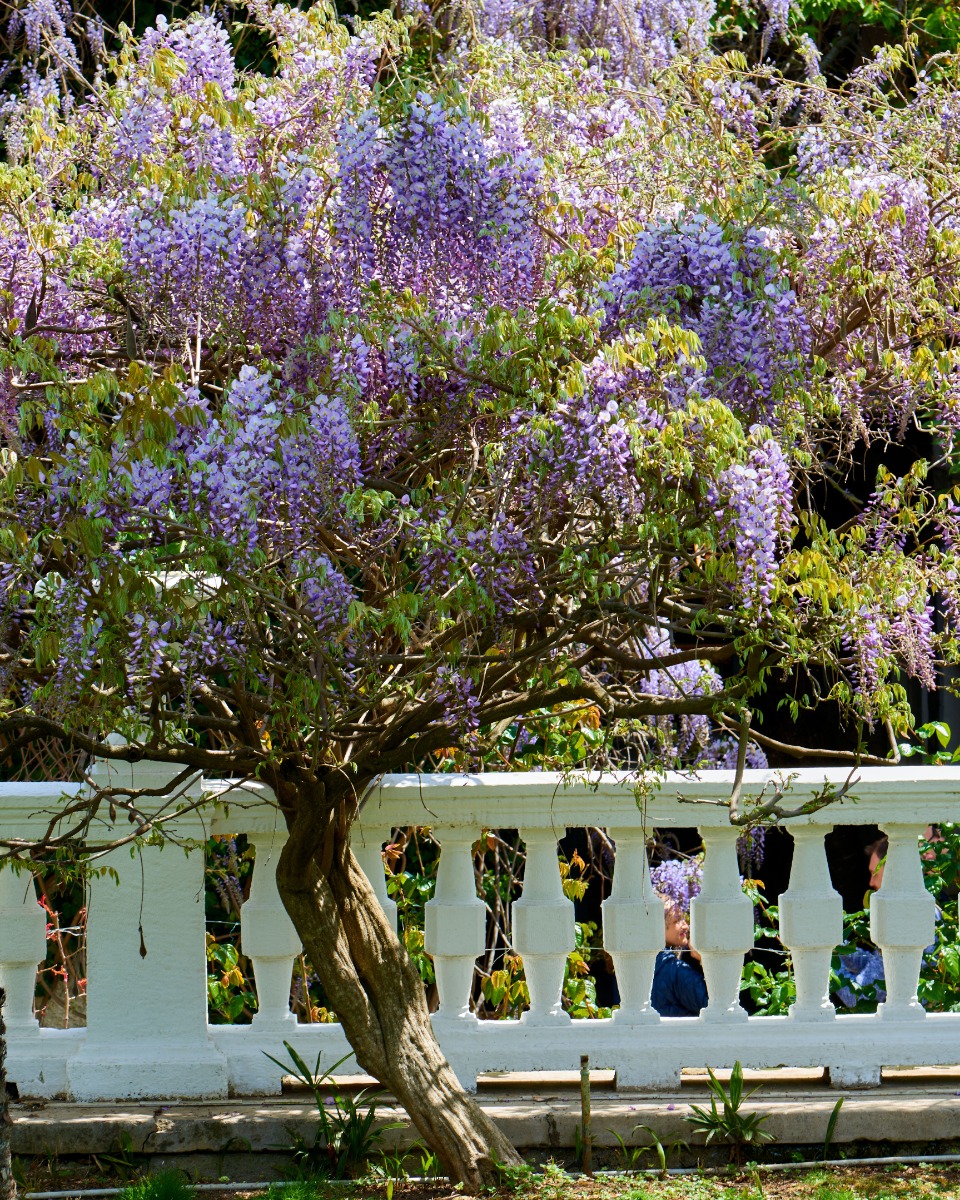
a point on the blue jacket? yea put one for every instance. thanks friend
(679, 989)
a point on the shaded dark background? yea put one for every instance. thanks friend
(845, 31)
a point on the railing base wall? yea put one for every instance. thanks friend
(183, 1072)
(646, 1058)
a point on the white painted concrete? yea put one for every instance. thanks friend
(811, 924)
(146, 971)
(147, 1034)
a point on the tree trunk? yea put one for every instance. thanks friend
(8, 1185)
(378, 995)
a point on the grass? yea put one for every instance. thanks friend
(925, 1182)
(848, 1183)
(163, 1185)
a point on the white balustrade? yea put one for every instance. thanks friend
(455, 925)
(633, 927)
(367, 847)
(721, 925)
(902, 921)
(633, 934)
(268, 938)
(811, 924)
(23, 947)
(147, 1032)
(146, 968)
(543, 927)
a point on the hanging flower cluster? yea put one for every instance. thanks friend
(405, 411)
(731, 293)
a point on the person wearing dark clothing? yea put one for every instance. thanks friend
(679, 989)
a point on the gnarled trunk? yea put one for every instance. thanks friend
(378, 994)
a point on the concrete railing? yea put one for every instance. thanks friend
(147, 1033)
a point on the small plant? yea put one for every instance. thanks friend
(165, 1185)
(430, 1165)
(729, 1124)
(392, 1167)
(632, 1155)
(346, 1135)
(301, 1190)
(19, 1172)
(121, 1156)
(662, 1150)
(229, 995)
(831, 1127)
(514, 1179)
(555, 1183)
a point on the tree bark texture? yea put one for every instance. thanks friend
(8, 1185)
(378, 994)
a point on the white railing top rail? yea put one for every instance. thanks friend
(513, 799)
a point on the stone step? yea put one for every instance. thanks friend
(537, 1112)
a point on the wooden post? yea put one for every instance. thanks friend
(586, 1134)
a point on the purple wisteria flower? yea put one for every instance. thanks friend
(637, 37)
(727, 288)
(677, 881)
(434, 204)
(758, 507)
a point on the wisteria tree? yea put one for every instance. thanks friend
(357, 417)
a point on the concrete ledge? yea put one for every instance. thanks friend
(909, 1107)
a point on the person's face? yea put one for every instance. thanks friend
(677, 929)
(875, 867)
(878, 860)
(931, 834)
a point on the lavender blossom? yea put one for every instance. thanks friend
(730, 292)
(759, 500)
(677, 881)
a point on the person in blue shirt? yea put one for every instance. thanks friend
(679, 989)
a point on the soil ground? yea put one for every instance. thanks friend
(895, 1182)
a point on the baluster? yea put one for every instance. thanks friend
(721, 925)
(811, 924)
(633, 926)
(455, 925)
(367, 846)
(23, 946)
(267, 935)
(902, 922)
(543, 928)
(147, 991)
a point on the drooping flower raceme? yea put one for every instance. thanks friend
(729, 290)
(202, 50)
(433, 204)
(758, 500)
(677, 881)
(637, 37)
